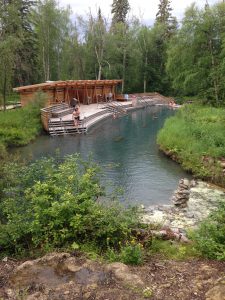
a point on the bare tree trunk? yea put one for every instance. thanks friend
(43, 62)
(99, 59)
(124, 69)
(215, 80)
(145, 73)
(4, 91)
(99, 72)
(48, 67)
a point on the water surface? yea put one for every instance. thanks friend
(126, 149)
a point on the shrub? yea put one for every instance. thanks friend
(53, 203)
(210, 237)
(132, 254)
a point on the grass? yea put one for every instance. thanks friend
(11, 99)
(18, 127)
(173, 250)
(195, 138)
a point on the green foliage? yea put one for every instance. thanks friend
(195, 55)
(132, 254)
(173, 250)
(195, 137)
(210, 237)
(120, 10)
(53, 203)
(18, 127)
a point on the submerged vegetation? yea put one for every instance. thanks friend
(195, 138)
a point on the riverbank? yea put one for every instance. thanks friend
(203, 199)
(20, 126)
(195, 138)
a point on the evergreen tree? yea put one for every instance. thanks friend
(26, 63)
(165, 18)
(11, 37)
(119, 10)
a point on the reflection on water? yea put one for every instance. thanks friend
(126, 149)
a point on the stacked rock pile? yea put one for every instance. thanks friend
(181, 195)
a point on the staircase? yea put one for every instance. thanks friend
(66, 127)
(143, 102)
(115, 108)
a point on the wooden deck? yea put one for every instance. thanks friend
(58, 119)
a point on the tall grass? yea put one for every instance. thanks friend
(18, 127)
(195, 136)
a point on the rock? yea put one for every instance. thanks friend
(184, 239)
(216, 293)
(186, 182)
(70, 264)
(24, 266)
(53, 258)
(66, 292)
(122, 273)
(5, 259)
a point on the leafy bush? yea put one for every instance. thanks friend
(132, 254)
(210, 237)
(53, 203)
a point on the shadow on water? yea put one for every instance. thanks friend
(129, 146)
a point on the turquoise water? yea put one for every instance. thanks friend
(127, 151)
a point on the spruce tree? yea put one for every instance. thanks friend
(119, 10)
(165, 18)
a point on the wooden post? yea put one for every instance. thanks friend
(95, 96)
(113, 91)
(103, 91)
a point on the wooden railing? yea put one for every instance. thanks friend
(46, 113)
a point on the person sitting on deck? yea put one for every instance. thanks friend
(76, 116)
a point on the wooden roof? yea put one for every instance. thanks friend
(63, 84)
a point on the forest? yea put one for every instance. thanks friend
(41, 41)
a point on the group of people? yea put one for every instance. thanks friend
(76, 112)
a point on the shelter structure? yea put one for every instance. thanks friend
(86, 91)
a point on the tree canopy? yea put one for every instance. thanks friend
(41, 41)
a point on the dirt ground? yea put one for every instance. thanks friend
(160, 279)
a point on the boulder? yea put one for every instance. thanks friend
(122, 273)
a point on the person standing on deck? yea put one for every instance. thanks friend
(74, 102)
